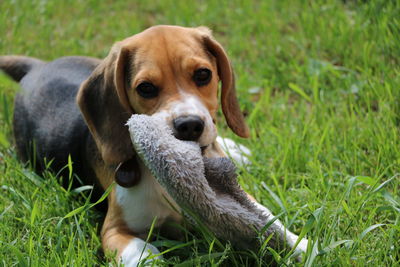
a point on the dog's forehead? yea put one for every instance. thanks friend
(171, 41)
(169, 33)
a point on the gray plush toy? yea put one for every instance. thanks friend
(207, 187)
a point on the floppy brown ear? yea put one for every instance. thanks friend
(229, 102)
(105, 108)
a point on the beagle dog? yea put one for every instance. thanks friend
(78, 106)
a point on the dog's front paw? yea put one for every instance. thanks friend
(289, 237)
(137, 252)
(302, 246)
(239, 153)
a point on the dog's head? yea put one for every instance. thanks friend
(169, 71)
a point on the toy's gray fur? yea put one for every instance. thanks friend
(207, 187)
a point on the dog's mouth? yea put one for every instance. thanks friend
(203, 149)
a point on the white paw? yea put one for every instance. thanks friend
(137, 251)
(302, 246)
(239, 153)
(291, 238)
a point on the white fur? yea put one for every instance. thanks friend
(137, 250)
(239, 153)
(291, 238)
(191, 105)
(142, 203)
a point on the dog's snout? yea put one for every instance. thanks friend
(188, 128)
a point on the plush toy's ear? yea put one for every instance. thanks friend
(103, 101)
(229, 102)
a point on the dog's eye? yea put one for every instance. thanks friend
(202, 77)
(147, 90)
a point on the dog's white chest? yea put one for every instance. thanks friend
(144, 202)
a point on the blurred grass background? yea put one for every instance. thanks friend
(319, 83)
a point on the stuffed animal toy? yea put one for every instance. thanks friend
(206, 187)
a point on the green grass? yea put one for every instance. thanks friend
(319, 82)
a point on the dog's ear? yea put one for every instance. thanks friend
(229, 102)
(103, 101)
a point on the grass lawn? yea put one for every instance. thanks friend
(320, 87)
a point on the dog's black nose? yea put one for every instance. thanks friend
(188, 128)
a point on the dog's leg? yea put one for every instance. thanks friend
(116, 237)
(289, 237)
(239, 153)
